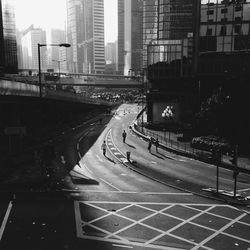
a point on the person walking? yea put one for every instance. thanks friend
(104, 148)
(156, 145)
(149, 145)
(124, 135)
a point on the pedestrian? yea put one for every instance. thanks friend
(149, 145)
(124, 135)
(104, 147)
(156, 145)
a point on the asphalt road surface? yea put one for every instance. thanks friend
(103, 203)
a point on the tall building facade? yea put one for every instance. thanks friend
(110, 53)
(29, 40)
(169, 58)
(9, 37)
(85, 31)
(1, 42)
(120, 42)
(57, 55)
(130, 36)
(224, 42)
(150, 26)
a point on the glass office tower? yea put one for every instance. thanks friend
(85, 33)
(9, 37)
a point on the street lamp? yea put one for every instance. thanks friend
(39, 45)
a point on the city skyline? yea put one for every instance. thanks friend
(30, 12)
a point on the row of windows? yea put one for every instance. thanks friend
(225, 10)
(224, 20)
(237, 29)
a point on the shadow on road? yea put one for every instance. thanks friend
(82, 181)
(157, 156)
(131, 146)
(110, 159)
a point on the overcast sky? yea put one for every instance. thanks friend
(52, 14)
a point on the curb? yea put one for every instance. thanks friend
(219, 197)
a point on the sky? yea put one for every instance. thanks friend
(52, 14)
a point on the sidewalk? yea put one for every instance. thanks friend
(172, 141)
(169, 142)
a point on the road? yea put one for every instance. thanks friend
(101, 203)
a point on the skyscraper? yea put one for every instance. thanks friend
(85, 31)
(150, 26)
(30, 38)
(57, 55)
(1, 42)
(130, 36)
(120, 43)
(9, 37)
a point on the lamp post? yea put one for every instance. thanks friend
(39, 45)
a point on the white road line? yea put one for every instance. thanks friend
(124, 246)
(110, 184)
(242, 190)
(5, 219)
(220, 231)
(78, 218)
(124, 192)
(87, 168)
(79, 154)
(99, 158)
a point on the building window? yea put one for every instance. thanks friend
(237, 29)
(223, 31)
(223, 11)
(210, 12)
(238, 8)
(209, 32)
(224, 20)
(238, 19)
(210, 20)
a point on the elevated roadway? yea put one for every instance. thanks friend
(14, 88)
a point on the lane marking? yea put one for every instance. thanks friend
(242, 190)
(5, 219)
(124, 246)
(221, 231)
(124, 192)
(99, 158)
(110, 184)
(85, 166)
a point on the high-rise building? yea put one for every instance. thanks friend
(110, 52)
(85, 32)
(130, 36)
(1, 42)
(169, 57)
(224, 42)
(30, 39)
(57, 55)
(9, 36)
(150, 26)
(120, 42)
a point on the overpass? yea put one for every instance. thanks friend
(13, 88)
(94, 80)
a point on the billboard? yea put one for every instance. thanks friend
(166, 112)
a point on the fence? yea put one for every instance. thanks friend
(182, 147)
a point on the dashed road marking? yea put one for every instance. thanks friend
(5, 219)
(99, 158)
